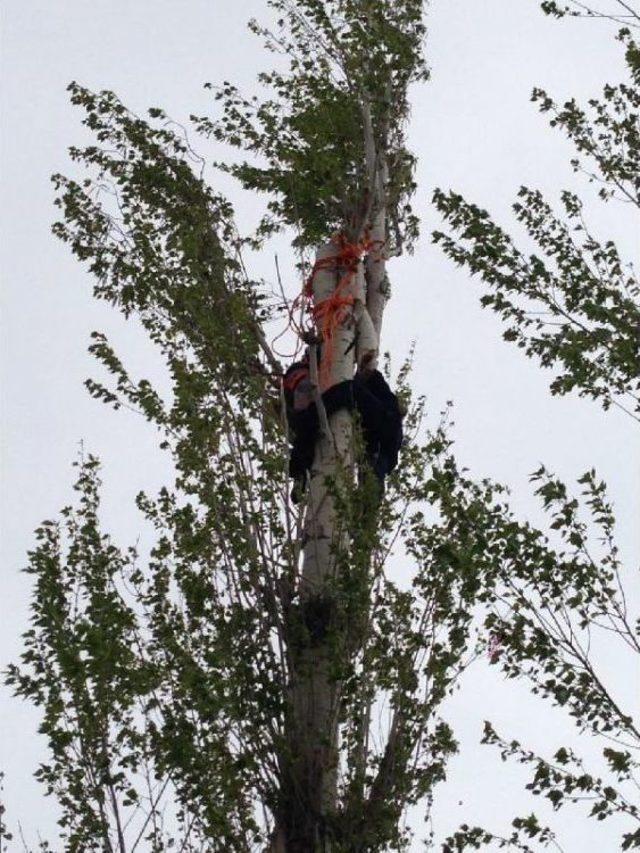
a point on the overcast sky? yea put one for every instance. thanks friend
(474, 130)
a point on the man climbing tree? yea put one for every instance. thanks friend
(368, 394)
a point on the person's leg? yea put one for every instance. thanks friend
(304, 425)
(371, 414)
(381, 416)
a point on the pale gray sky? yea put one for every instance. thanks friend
(474, 130)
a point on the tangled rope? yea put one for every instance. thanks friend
(331, 312)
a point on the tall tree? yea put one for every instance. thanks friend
(337, 166)
(221, 692)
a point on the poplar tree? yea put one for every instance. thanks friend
(257, 680)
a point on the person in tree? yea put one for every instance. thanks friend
(368, 393)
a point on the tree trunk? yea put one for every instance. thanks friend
(315, 692)
(376, 265)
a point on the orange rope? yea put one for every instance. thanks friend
(329, 313)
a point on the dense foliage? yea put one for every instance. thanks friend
(164, 675)
(339, 103)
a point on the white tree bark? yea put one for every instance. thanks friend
(315, 693)
(366, 335)
(376, 264)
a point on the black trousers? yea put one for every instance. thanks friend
(380, 419)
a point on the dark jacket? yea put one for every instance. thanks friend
(368, 393)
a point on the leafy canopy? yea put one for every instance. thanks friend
(327, 119)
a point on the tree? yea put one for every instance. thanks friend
(336, 164)
(559, 594)
(221, 692)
